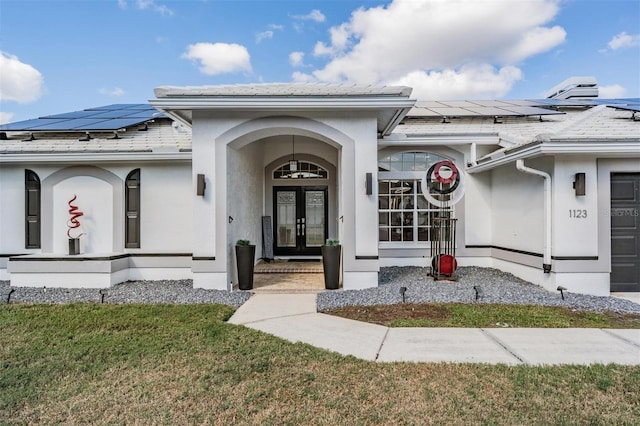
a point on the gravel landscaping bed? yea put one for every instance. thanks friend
(148, 292)
(495, 287)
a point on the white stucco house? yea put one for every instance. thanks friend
(548, 190)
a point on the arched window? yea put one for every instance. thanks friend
(305, 170)
(404, 214)
(132, 210)
(32, 209)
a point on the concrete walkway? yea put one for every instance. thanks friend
(294, 317)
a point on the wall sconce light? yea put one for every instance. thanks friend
(369, 183)
(579, 184)
(201, 185)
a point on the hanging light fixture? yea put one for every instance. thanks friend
(293, 163)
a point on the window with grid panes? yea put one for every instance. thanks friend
(404, 215)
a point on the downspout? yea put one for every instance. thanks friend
(546, 255)
(473, 154)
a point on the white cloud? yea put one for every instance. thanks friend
(469, 82)
(314, 15)
(268, 34)
(147, 5)
(6, 117)
(219, 58)
(611, 92)
(436, 41)
(624, 40)
(20, 82)
(300, 77)
(116, 91)
(264, 35)
(296, 59)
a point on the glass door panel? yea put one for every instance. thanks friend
(315, 219)
(286, 218)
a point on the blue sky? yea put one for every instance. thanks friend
(60, 56)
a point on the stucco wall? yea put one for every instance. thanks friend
(575, 218)
(165, 207)
(517, 201)
(94, 198)
(12, 224)
(246, 201)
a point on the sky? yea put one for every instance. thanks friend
(61, 56)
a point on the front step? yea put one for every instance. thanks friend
(288, 267)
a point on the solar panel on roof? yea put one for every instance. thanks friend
(453, 112)
(634, 108)
(74, 114)
(488, 111)
(108, 117)
(28, 124)
(113, 124)
(529, 110)
(114, 114)
(67, 124)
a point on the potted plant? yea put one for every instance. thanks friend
(74, 223)
(245, 260)
(331, 257)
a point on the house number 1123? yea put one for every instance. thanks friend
(578, 214)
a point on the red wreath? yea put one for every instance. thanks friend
(450, 165)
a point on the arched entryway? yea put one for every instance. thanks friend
(301, 203)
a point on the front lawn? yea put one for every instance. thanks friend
(182, 364)
(484, 315)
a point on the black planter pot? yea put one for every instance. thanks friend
(74, 246)
(245, 256)
(331, 256)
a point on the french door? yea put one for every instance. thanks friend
(300, 219)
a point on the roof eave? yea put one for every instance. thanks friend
(609, 148)
(94, 157)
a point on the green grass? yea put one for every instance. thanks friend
(123, 364)
(485, 315)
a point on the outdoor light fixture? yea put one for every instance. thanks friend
(561, 290)
(201, 185)
(403, 290)
(102, 292)
(579, 184)
(293, 163)
(478, 291)
(369, 183)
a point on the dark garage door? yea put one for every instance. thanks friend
(625, 232)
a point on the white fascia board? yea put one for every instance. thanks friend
(607, 148)
(402, 139)
(250, 103)
(94, 157)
